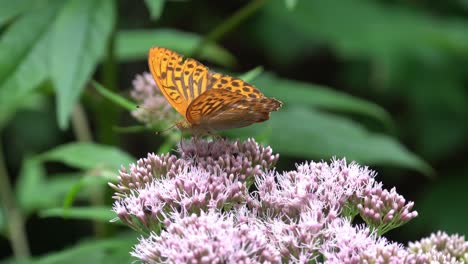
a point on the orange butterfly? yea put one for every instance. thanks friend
(209, 101)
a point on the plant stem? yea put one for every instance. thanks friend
(81, 124)
(82, 131)
(107, 114)
(228, 25)
(15, 220)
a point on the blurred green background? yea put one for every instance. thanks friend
(383, 83)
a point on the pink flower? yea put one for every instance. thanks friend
(384, 210)
(333, 185)
(244, 160)
(439, 247)
(197, 208)
(153, 110)
(193, 190)
(345, 243)
(207, 238)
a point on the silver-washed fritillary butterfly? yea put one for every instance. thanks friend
(209, 101)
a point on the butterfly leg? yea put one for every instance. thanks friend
(215, 136)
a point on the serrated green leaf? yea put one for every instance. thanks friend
(31, 178)
(117, 99)
(2, 222)
(115, 250)
(299, 93)
(373, 30)
(10, 9)
(80, 34)
(252, 74)
(104, 214)
(155, 7)
(89, 180)
(35, 192)
(303, 132)
(290, 4)
(24, 53)
(88, 156)
(135, 44)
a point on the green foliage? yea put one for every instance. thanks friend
(103, 214)
(299, 93)
(134, 45)
(326, 135)
(24, 51)
(155, 8)
(80, 32)
(88, 156)
(92, 251)
(115, 98)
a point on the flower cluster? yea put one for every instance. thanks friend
(349, 244)
(153, 108)
(244, 160)
(439, 247)
(207, 238)
(214, 174)
(385, 210)
(197, 208)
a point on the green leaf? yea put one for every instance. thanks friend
(24, 53)
(104, 214)
(81, 32)
(155, 7)
(3, 227)
(87, 181)
(373, 30)
(115, 250)
(252, 74)
(290, 4)
(117, 99)
(31, 178)
(35, 192)
(88, 156)
(303, 132)
(10, 9)
(135, 44)
(299, 93)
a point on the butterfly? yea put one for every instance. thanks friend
(208, 101)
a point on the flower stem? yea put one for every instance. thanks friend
(82, 132)
(228, 25)
(15, 220)
(106, 113)
(80, 124)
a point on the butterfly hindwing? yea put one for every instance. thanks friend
(220, 109)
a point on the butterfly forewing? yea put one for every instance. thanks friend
(162, 63)
(236, 85)
(180, 81)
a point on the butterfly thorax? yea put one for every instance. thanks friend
(194, 129)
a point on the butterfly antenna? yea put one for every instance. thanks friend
(165, 130)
